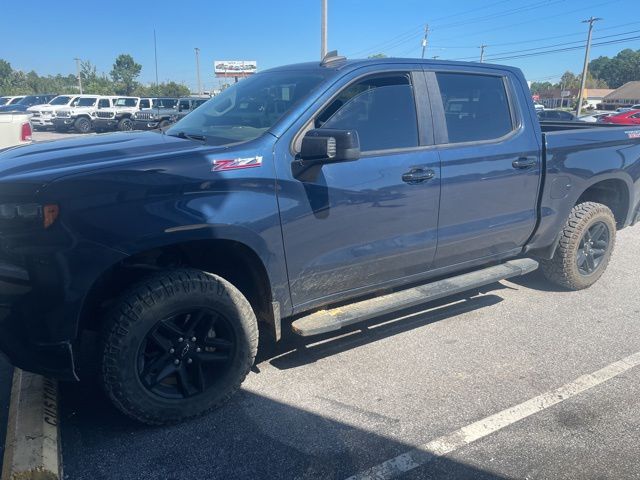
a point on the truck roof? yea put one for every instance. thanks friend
(342, 63)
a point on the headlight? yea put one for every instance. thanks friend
(28, 214)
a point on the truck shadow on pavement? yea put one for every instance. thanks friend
(255, 437)
(294, 351)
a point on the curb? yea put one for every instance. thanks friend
(31, 447)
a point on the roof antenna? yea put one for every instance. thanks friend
(332, 57)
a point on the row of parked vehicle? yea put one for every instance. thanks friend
(622, 116)
(86, 113)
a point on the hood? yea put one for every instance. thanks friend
(47, 161)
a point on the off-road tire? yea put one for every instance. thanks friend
(562, 269)
(125, 125)
(82, 125)
(138, 310)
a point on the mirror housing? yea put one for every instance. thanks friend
(329, 146)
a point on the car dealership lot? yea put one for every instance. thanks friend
(337, 405)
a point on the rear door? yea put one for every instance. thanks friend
(490, 162)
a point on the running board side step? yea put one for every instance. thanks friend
(331, 320)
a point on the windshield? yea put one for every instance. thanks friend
(126, 102)
(13, 101)
(249, 108)
(4, 100)
(61, 100)
(165, 103)
(86, 102)
(29, 100)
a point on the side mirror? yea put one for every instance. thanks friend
(329, 146)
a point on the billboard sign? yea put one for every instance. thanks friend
(234, 68)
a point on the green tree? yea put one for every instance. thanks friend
(377, 55)
(125, 73)
(537, 87)
(616, 71)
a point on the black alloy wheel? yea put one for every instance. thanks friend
(185, 354)
(593, 246)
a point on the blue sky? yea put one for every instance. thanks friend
(276, 32)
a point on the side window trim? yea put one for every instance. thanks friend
(440, 125)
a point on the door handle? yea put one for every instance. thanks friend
(418, 175)
(525, 162)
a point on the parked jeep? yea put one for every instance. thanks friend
(81, 116)
(166, 111)
(120, 116)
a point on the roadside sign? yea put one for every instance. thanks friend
(234, 68)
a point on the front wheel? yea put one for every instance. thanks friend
(585, 247)
(82, 125)
(125, 125)
(177, 345)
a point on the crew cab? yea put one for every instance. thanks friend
(308, 197)
(120, 116)
(80, 116)
(42, 115)
(161, 114)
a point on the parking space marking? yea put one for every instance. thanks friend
(449, 443)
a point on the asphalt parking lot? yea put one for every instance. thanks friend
(336, 406)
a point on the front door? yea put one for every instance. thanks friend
(357, 225)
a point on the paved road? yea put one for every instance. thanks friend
(336, 407)
(6, 374)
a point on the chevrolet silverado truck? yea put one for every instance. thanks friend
(42, 115)
(308, 197)
(120, 116)
(80, 116)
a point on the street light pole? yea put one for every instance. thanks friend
(482, 47)
(79, 76)
(198, 70)
(323, 29)
(583, 82)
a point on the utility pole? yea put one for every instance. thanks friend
(198, 70)
(79, 76)
(323, 29)
(482, 47)
(155, 53)
(590, 21)
(425, 40)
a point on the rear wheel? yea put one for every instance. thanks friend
(178, 345)
(82, 125)
(585, 247)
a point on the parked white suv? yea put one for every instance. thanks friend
(119, 117)
(42, 115)
(80, 117)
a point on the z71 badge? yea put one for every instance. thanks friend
(633, 133)
(236, 164)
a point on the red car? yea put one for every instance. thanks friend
(632, 117)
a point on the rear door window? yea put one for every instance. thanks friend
(476, 107)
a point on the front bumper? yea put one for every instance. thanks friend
(105, 123)
(63, 122)
(145, 124)
(22, 349)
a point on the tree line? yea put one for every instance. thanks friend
(122, 80)
(603, 72)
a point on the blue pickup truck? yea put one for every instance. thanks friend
(313, 196)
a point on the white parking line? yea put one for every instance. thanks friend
(477, 430)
